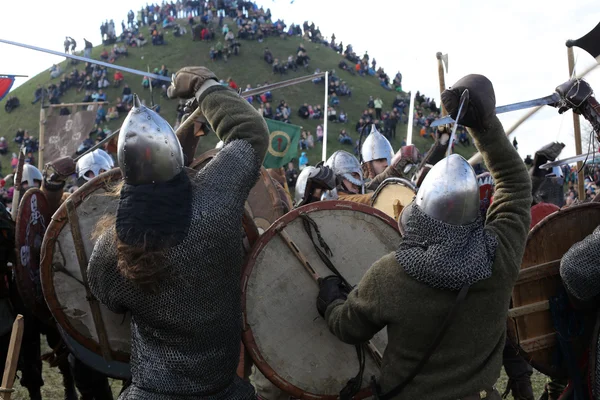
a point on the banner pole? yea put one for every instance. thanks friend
(411, 115)
(325, 108)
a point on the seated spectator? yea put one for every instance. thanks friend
(302, 161)
(19, 136)
(14, 162)
(163, 71)
(319, 133)
(55, 71)
(303, 111)
(112, 114)
(104, 54)
(101, 96)
(103, 82)
(342, 117)
(291, 64)
(268, 111)
(344, 138)
(118, 78)
(39, 91)
(317, 112)
(334, 101)
(12, 103)
(302, 142)
(121, 106)
(3, 145)
(268, 56)
(310, 140)
(331, 114)
(88, 97)
(278, 68)
(146, 82)
(100, 115)
(120, 50)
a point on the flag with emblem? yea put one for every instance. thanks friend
(6, 82)
(283, 143)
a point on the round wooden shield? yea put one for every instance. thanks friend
(66, 250)
(287, 339)
(392, 195)
(529, 320)
(541, 211)
(67, 247)
(264, 200)
(33, 219)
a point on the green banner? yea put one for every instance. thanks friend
(283, 143)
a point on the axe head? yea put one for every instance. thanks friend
(445, 60)
(590, 42)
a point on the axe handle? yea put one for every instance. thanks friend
(576, 130)
(442, 78)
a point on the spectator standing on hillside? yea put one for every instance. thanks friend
(67, 43)
(291, 175)
(73, 45)
(87, 51)
(378, 103)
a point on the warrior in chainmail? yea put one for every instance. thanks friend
(580, 273)
(173, 257)
(452, 274)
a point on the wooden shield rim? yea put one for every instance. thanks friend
(274, 229)
(44, 313)
(207, 155)
(59, 220)
(389, 181)
(511, 324)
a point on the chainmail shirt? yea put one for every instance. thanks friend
(580, 273)
(185, 339)
(445, 256)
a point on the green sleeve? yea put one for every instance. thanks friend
(233, 118)
(509, 215)
(357, 319)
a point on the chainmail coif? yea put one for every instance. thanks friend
(185, 339)
(579, 272)
(445, 256)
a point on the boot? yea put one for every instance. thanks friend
(68, 381)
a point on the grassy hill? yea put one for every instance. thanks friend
(247, 68)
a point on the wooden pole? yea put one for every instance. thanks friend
(576, 130)
(42, 138)
(442, 79)
(17, 184)
(14, 348)
(325, 117)
(94, 103)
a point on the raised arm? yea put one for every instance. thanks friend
(509, 215)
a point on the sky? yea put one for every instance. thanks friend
(518, 44)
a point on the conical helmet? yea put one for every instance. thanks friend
(92, 162)
(376, 147)
(31, 174)
(345, 164)
(148, 150)
(106, 156)
(450, 193)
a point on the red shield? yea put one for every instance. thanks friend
(32, 220)
(486, 190)
(541, 211)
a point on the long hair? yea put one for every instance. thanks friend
(142, 266)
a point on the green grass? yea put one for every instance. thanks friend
(53, 389)
(247, 68)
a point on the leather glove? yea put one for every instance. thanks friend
(59, 170)
(481, 105)
(331, 288)
(188, 80)
(547, 153)
(573, 94)
(409, 154)
(323, 178)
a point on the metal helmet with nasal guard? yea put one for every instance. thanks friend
(31, 174)
(93, 162)
(148, 150)
(344, 165)
(376, 147)
(450, 193)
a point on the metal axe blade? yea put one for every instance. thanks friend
(553, 98)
